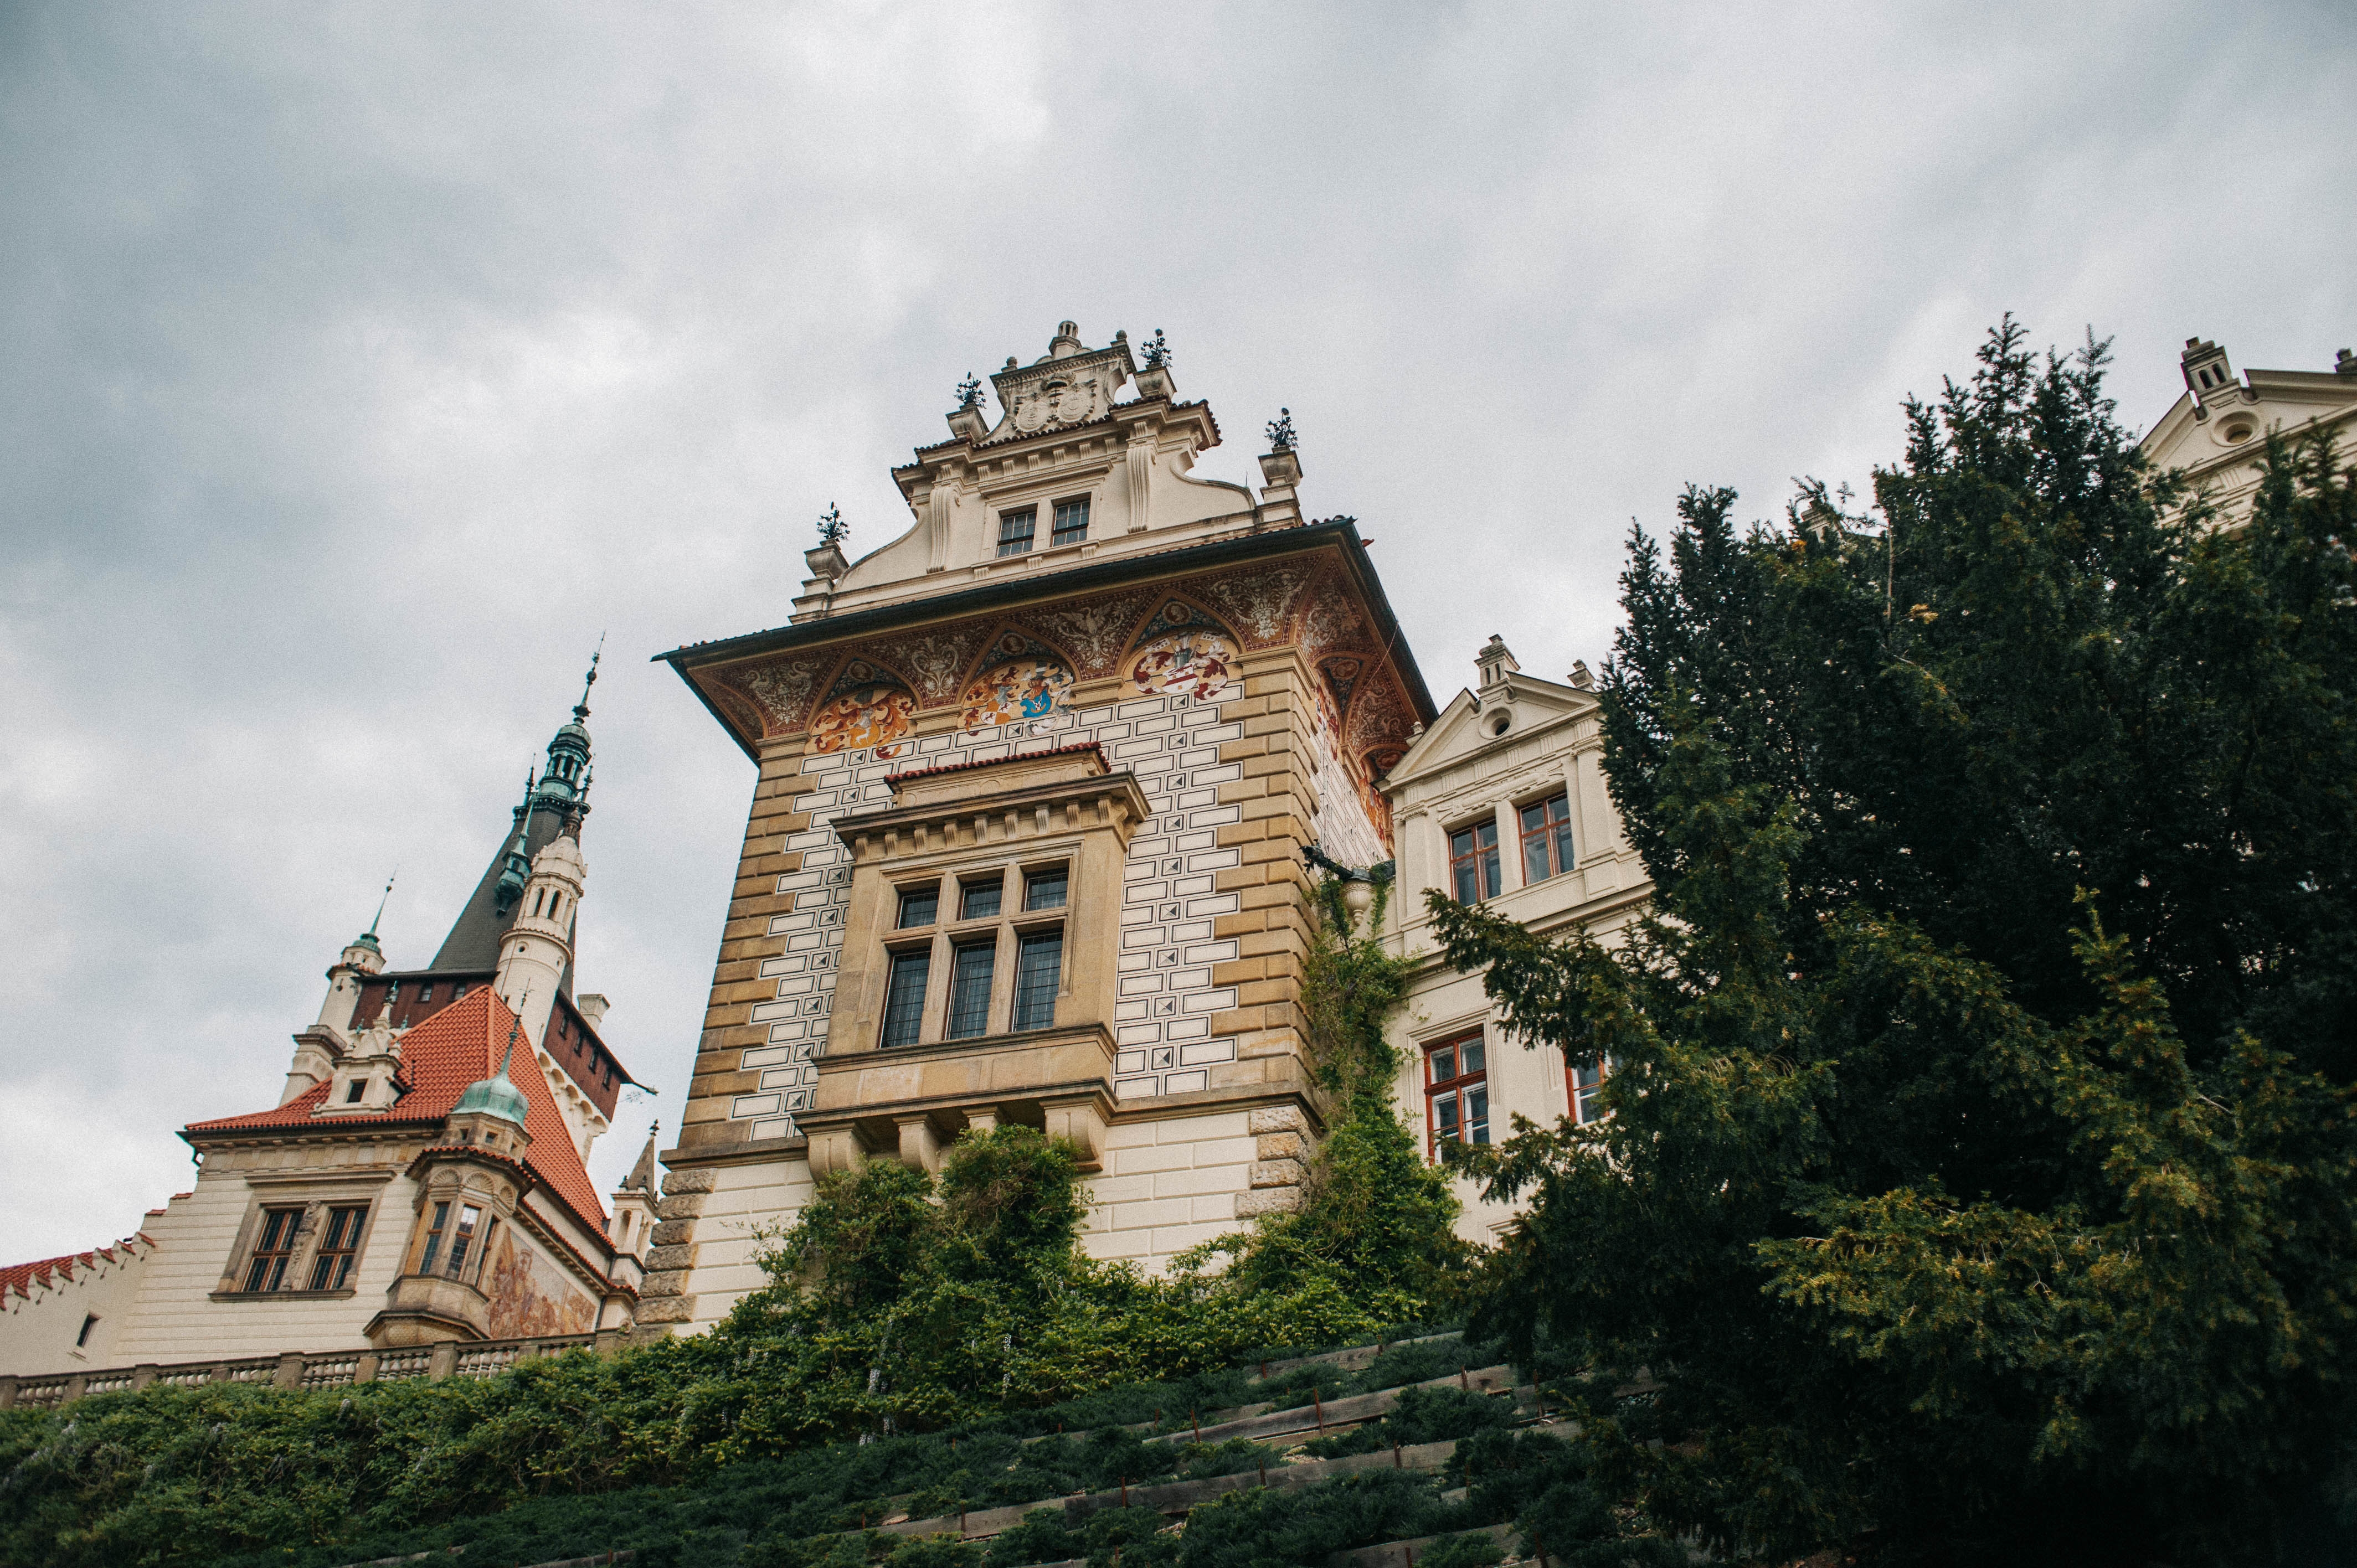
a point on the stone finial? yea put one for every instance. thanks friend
(2208, 371)
(1494, 662)
(1581, 675)
(1280, 431)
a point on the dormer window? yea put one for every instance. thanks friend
(1015, 530)
(353, 1091)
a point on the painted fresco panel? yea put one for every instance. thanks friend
(528, 1296)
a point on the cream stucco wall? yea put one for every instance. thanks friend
(39, 1330)
(182, 1314)
(1460, 774)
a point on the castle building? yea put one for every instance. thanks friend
(2216, 431)
(1502, 801)
(1034, 782)
(422, 1177)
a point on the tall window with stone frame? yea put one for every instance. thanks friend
(1072, 521)
(340, 1245)
(274, 1250)
(1546, 837)
(1456, 1091)
(1039, 969)
(904, 996)
(450, 1239)
(970, 972)
(1473, 861)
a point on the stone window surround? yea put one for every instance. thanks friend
(1460, 1085)
(1002, 816)
(1489, 802)
(1041, 491)
(940, 939)
(313, 1192)
(496, 1194)
(1015, 815)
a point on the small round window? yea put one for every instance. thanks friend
(1500, 724)
(2240, 431)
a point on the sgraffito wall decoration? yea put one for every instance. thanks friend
(527, 1296)
(1259, 602)
(936, 660)
(1097, 631)
(1184, 641)
(869, 706)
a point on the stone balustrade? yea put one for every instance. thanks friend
(304, 1369)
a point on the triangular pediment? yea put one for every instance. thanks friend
(2292, 403)
(1467, 725)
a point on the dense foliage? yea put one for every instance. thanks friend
(1373, 1211)
(1981, 1175)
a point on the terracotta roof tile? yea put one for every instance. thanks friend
(897, 778)
(18, 1279)
(460, 1045)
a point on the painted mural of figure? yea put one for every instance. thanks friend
(866, 716)
(1029, 688)
(1195, 662)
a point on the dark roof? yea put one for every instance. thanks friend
(474, 940)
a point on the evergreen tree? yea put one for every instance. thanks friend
(1981, 1172)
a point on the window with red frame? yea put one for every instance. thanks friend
(1456, 1091)
(1547, 838)
(1473, 861)
(1587, 1085)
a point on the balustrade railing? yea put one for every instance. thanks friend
(300, 1370)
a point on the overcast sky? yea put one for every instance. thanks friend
(361, 364)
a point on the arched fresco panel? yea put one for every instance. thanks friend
(867, 706)
(1182, 651)
(1026, 680)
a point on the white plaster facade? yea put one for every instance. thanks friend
(1515, 741)
(2216, 432)
(67, 1314)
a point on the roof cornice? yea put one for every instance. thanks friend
(1339, 532)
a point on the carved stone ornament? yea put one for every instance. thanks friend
(1069, 385)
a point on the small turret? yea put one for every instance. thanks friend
(538, 948)
(1494, 663)
(317, 1047)
(492, 1111)
(632, 1227)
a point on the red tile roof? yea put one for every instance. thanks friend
(18, 1278)
(897, 778)
(460, 1045)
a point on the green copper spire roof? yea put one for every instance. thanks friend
(498, 1095)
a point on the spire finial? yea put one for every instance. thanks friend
(381, 901)
(832, 529)
(581, 708)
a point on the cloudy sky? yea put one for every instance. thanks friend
(360, 365)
